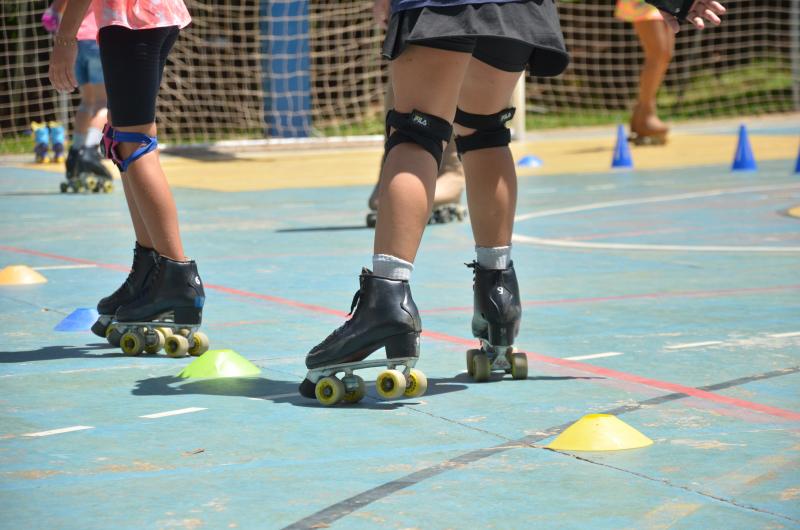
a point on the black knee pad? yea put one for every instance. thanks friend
(490, 130)
(426, 130)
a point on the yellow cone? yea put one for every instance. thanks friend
(20, 275)
(599, 432)
(220, 363)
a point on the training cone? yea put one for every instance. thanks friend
(530, 161)
(797, 164)
(220, 363)
(622, 151)
(20, 275)
(744, 159)
(599, 432)
(79, 320)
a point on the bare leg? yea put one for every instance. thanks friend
(82, 115)
(148, 193)
(409, 172)
(658, 43)
(491, 176)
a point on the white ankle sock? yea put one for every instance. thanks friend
(387, 266)
(93, 136)
(494, 257)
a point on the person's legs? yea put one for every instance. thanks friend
(427, 80)
(658, 43)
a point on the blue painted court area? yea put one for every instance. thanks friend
(668, 298)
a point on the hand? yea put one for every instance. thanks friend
(380, 13)
(62, 65)
(50, 20)
(701, 9)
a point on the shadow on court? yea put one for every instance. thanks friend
(49, 353)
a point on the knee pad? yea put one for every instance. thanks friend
(112, 138)
(425, 130)
(490, 130)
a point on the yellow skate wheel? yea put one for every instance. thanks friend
(358, 393)
(91, 183)
(183, 331)
(108, 186)
(132, 343)
(391, 384)
(156, 342)
(416, 384)
(470, 356)
(481, 367)
(176, 346)
(199, 344)
(329, 390)
(167, 332)
(113, 336)
(519, 365)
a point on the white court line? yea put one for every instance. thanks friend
(692, 345)
(276, 396)
(59, 431)
(63, 267)
(636, 246)
(594, 356)
(173, 412)
(650, 200)
(783, 335)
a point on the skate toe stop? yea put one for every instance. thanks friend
(307, 389)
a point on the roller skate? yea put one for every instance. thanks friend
(166, 314)
(144, 261)
(646, 127)
(56, 141)
(450, 183)
(495, 322)
(41, 139)
(385, 316)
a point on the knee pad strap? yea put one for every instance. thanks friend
(112, 138)
(426, 130)
(490, 130)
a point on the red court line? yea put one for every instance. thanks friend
(666, 294)
(576, 365)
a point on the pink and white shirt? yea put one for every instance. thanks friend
(141, 14)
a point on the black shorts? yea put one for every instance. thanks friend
(133, 64)
(508, 36)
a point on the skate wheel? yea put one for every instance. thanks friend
(91, 183)
(329, 390)
(108, 186)
(470, 365)
(416, 384)
(357, 394)
(113, 336)
(199, 344)
(481, 367)
(176, 346)
(132, 343)
(157, 342)
(184, 331)
(167, 332)
(519, 365)
(391, 384)
(64, 187)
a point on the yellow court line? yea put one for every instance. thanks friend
(359, 167)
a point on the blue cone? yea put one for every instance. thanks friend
(79, 320)
(530, 161)
(744, 160)
(622, 152)
(797, 165)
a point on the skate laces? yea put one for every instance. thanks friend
(336, 332)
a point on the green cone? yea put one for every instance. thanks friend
(220, 363)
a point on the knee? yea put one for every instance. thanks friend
(426, 130)
(482, 131)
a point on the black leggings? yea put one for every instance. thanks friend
(133, 63)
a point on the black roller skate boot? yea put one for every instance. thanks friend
(144, 260)
(495, 322)
(385, 316)
(71, 173)
(167, 313)
(95, 175)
